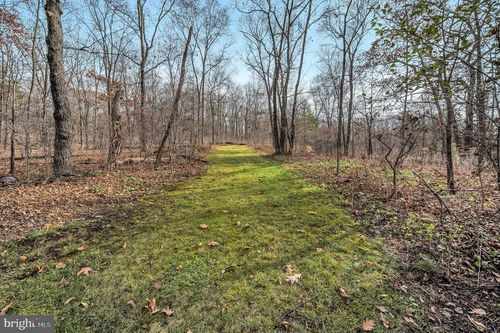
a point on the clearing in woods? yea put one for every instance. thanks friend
(241, 274)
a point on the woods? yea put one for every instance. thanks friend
(390, 107)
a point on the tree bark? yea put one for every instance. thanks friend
(175, 105)
(62, 112)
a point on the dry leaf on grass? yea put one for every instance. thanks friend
(212, 243)
(60, 265)
(381, 308)
(168, 311)
(343, 293)
(158, 285)
(124, 246)
(85, 271)
(368, 325)
(131, 303)
(23, 258)
(6, 308)
(81, 248)
(294, 278)
(203, 226)
(84, 304)
(410, 320)
(248, 225)
(151, 305)
(289, 269)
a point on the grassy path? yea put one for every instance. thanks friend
(263, 219)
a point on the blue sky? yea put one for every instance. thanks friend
(242, 73)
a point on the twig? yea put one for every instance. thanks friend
(441, 201)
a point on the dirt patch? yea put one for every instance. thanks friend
(448, 253)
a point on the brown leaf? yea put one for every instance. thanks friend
(179, 267)
(213, 243)
(6, 308)
(288, 269)
(381, 308)
(168, 311)
(60, 265)
(203, 226)
(477, 324)
(151, 305)
(23, 258)
(69, 300)
(131, 303)
(189, 331)
(124, 246)
(312, 213)
(158, 285)
(478, 312)
(248, 225)
(384, 320)
(223, 311)
(84, 304)
(368, 325)
(81, 248)
(85, 271)
(410, 320)
(294, 278)
(343, 293)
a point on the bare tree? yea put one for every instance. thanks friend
(62, 111)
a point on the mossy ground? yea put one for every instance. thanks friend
(237, 286)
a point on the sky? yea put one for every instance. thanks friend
(243, 74)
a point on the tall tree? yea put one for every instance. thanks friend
(62, 112)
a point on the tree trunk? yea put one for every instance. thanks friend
(175, 105)
(62, 112)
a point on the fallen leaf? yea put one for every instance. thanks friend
(368, 325)
(168, 311)
(84, 304)
(23, 258)
(289, 269)
(477, 324)
(158, 285)
(203, 226)
(409, 311)
(212, 243)
(478, 311)
(248, 225)
(312, 213)
(403, 288)
(318, 249)
(124, 246)
(60, 265)
(189, 331)
(384, 320)
(225, 211)
(85, 271)
(223, 311)
(410, 320)
(294, 278)
(6, 308)
(151, 305)
(69, 300)
(343, 293)
(179, 267)
(81, 248)
(131, 303)
(381, 308)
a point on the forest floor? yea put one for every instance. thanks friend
(448, 251)
(247, 247)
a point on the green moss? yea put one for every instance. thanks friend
(263, 217)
